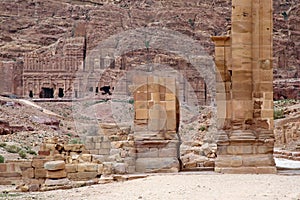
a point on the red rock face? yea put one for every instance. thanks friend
(287, 89)
(28, 25)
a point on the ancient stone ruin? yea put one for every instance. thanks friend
(244, 98)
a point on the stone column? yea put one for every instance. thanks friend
(245, 141)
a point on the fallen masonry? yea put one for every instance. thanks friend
(61, 166)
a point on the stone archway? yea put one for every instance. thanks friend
(104, 60)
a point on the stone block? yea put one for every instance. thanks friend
(266, 170)
(119, 168)
(74, 147)
(98, 158)
(39, 162)
(107, 168)
(264, 149)
(131, 169)
(171, 105)
(28, 173)
(24, 164)
(171, 115)
(57, 182)
(167, 152)
(155, 97)
(100, 169)
(104, 151)
(228, 161)
(87, 167)
(171, 125)
(90, 145)
(146, 165)
(150, 153)
(44, 153)
(239, 150)
(238, 170)
(153, 88)
(94, 151)
(71, 168)
(82, 176)
(54, 165)
(140, 105)
(10, 174)
(56, 174)
(141, 114)
(40, 173)
(98, 145)
(106, 145)
(140, 96)
(3, 167)
(86, 157)
(258, 160)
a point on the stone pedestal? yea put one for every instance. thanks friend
(245, 152)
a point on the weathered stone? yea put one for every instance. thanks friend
(119, 168)
(86, 157)
(38, 162)
(57, 182)
(54, 165)
(107, 168)
(82, 176)
(56, 174)
(70, 168)
(157, 165)
(40, 173)
(87, 167)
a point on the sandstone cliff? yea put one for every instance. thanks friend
(27, 25)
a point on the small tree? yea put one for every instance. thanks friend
(2, 159)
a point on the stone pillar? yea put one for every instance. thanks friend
(156, 124)
(245, 140)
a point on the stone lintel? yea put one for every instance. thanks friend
(220, 40)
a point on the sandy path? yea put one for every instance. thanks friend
(185, 187)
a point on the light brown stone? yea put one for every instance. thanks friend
(56, 174)
(54, 165)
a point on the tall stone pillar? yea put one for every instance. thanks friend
(244, 60)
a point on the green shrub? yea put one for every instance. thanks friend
(22, 154)
(2, 144)
(30, 151)
(278, 114)
(12, 149)
(75, 141)
(2, 159)
(202, 128)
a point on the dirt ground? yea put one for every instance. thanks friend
(183, 186)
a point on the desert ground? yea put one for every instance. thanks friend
(182, 186)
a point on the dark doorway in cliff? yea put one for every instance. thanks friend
(30, 94)
(47, 93)
(60, 93)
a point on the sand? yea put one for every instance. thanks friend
(184, 186)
